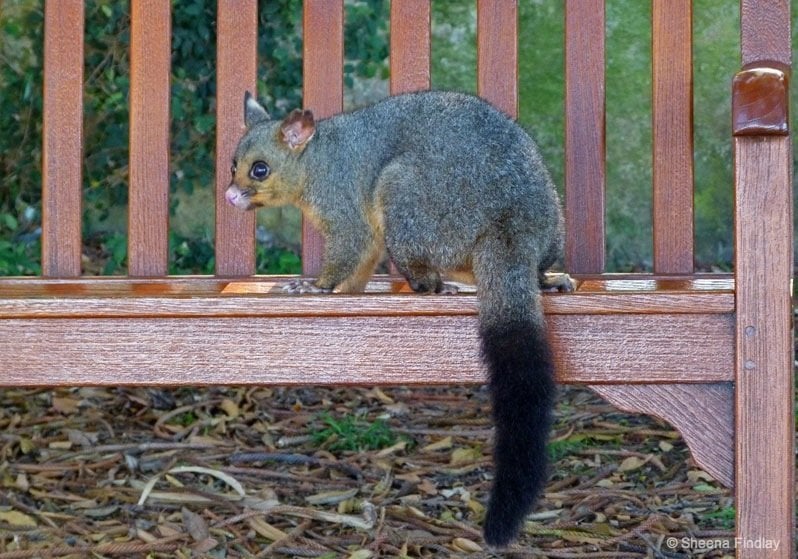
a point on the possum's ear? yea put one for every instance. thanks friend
(253, 111)
(297, 129)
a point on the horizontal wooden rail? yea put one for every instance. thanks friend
(211, 331)
(592, 349)
(263, 297)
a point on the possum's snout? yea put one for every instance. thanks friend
(237, 197)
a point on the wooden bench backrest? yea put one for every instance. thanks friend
(323, 22)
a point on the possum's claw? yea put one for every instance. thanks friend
(557, 282)
(449, 289)
(299, 287)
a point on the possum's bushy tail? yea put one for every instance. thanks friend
(521, 377)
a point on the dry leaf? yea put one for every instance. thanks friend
(427, 487)
(377, 393)
(465, 455)
(632, 463)
(82, 438)
(26, 445)
(22, 482)
(16, 518)
(230, 408)
(699, 475)
(464, 544)
(443, 444)
(401, 445)
(205, 545)
(65, 405)
(265, 529)
(195, 525)
(476, 507)
(228, 479)
(331, 497)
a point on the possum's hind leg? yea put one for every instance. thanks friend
(422, 278)
(411, 231)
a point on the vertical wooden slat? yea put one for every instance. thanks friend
(323, 59)
(148, 217)
(765, 31)
(410, 46)
(672, 136)
(497, 54)
(236, 72)
(584, 136)
(63, 138)
(764, 415)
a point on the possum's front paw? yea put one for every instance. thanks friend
(299, 287)
(449, 289)
(557, 282)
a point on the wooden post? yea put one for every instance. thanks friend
(765, 465)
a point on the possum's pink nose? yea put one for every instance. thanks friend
(232, 194)
(236, 197)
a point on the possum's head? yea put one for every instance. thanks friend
(265, 170)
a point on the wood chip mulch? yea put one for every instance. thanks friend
(355, 473)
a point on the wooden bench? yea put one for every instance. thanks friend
(712, 354)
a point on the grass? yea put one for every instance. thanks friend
(353, 433)
(721, 518)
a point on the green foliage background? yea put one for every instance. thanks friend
(716, 49)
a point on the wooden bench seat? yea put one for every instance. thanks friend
(245, 331)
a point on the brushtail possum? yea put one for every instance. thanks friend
(444, 183)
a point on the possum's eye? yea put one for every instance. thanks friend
(259, 170)
(233, 168)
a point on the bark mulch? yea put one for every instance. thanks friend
(321, 472)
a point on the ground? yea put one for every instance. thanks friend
(319, 472)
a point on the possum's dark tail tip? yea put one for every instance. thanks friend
(521, 373)
(498, 532)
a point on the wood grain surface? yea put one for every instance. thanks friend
(350, 350)
(765, 31)
(497, 54)
(410, 46)
(702, 413)
(585, 171)
(62, 150)
(148, 196)
(672, 112)
(322, 90)
(764, 407)
(236, 67)
(764, 351)
(198, 296)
